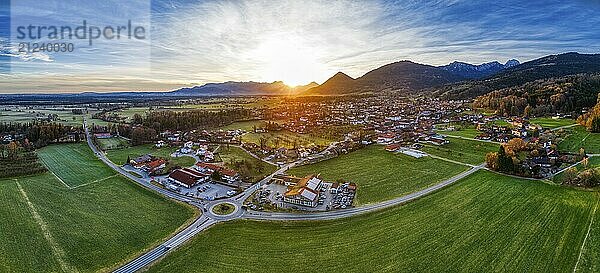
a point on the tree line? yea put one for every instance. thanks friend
(591, 119)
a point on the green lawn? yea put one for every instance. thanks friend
(21, 114)
(463, 132)
(244, 125)
(92, 228)
(462, 150)
(284, 139)
(579, 137)
(113, 143)
(74, 164)
(119, 156)
(257, 168)
(381, 175)
(485, 223)
(551, 123)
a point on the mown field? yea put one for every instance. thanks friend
(113, 143)
(579, 137)
(257, 169)
(464, 132)
(119, 156)
(74, 164)
(244, 125)
(48, 227)
(381, 175)
(284, 139)
(463, 150)
(551, 123)
(485, 223)
(21, 114)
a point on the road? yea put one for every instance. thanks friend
(207, 218)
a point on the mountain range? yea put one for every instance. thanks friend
(471, 71)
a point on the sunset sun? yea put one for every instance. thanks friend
(289, 60)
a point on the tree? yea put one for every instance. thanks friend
(527, 111)
(505, 162)
(491, 160)
(13, 149)
(516, 145)
(216, 176)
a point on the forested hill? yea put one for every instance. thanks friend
(563, 94)
(553, 66)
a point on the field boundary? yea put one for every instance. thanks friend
(95, 181)
(586, 236)
(58, 252)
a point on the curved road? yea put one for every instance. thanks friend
(207, 218)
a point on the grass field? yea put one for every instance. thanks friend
(230, 155)
(485, 223)
(48, 227)
(244, 125)
(381, 175)
(579, 137)
(21, 114)
(119, 156)
(284, 139)
(551, 123)
(73, 164)
(462, 150)
(113, 143)
(465, 132)
(593, 162)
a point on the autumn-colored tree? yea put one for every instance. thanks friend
(491, 160)
(515, 145)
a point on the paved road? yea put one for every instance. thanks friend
(207, 218)
(335, 214)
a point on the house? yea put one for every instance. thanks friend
(437, 140)
(305, 192)
(154, 165)
(103, 135)
(187, 177)
(139, 162)
(286, 180)
(392, 147)
(160, 144)
(226, 174)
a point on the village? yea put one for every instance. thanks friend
(406, 127)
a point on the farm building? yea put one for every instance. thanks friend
(187, 177)
(305, 192)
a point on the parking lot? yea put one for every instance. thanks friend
(206, 191)
(273, 193)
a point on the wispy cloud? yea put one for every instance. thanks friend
(197, 42)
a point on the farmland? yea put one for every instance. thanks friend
(485, 223)
(381, 175)
(579, 137)
(119, 156)
(551, 123)
(462, 150)
(73, 164)
(29, 114)
(51, 226)
(244, 125)
(463, 132)
(284, 139)
(113, 143)
(254, 168)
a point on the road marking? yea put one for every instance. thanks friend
(59, 254)
(586, 235)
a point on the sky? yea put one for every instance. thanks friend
(189, 43)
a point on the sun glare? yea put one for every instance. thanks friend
(289, 60)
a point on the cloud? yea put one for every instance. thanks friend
(194, 42)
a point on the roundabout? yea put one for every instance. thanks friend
(223, 210)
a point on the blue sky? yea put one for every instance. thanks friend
(195, 42)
